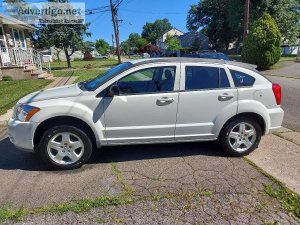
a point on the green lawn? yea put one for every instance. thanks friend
(96, 63)
(12, 91)
(84, 70)
(283, 58)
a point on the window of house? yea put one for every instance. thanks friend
(202, 77)
(150, 80)
(241, 79)
(19, 38)
(2, 40)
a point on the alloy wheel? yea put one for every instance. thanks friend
(242, 137)
(65, 148)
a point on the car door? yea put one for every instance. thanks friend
(145, 109)
(207, 96)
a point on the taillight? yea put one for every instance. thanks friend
(277, 93)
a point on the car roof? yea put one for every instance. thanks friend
(138, 62)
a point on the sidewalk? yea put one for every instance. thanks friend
(58, 81)
(279, 155)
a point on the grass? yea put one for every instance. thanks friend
(282, 59)
(97, 63)
(289, 200)
(84, 70)
(76, 206)
(12, 91)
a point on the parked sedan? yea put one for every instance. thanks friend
(149, 101)
(208, 55)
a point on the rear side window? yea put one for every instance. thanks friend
(201, 77)
(241, 79)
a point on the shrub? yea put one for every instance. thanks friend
(7, 78)
(263, 45)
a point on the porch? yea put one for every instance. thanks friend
(22, 64)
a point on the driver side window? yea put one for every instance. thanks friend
(150, 80)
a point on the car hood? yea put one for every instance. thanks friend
(52, 93)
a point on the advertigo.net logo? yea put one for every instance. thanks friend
(47, 13)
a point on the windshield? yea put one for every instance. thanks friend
(101, 79)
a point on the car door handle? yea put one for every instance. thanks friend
(225, 97)
(165, 100)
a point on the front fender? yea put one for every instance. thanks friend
(56, 108)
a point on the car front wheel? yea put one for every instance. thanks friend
(240, 136)
(65, 147)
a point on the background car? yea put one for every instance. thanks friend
(99, 56)
(208, 55)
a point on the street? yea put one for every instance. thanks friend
(189, 183)
(290, 100)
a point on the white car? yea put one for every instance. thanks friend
(149, 101)
(99, 56)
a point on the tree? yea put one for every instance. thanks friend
(173, 43)
(263, 45)
(68, 37)
(196, 46)
(125, 47)
(88, 46)
(152, 31)
(136, 41)
(212, 16)
(102, 46)
(222, 20)
(149, 48)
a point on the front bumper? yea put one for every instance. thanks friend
(21, 134)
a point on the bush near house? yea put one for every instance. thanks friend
(262, 46)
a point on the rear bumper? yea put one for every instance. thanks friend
(21, 134)
(276, 119)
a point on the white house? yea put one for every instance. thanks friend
(186, 40)
(161, 41)
(17, 57)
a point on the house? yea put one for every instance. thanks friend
(18, 59)
(187, 40)
(161, 41)
(290, 49)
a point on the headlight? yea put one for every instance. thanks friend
(25, 112)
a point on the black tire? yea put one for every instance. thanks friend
(224, 136)
(42, 148)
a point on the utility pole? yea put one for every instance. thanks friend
(246, 21)
(113, 45)
(114, 12)
(298, 54)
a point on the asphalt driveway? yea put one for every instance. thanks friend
(229, 190)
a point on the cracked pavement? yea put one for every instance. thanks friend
(189, 183)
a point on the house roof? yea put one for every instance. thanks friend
(192, 32)
(18, 23)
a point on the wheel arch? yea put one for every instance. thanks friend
(62, 120)
(258, 118)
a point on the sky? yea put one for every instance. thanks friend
(135, 14)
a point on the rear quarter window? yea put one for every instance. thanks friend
(242, 79)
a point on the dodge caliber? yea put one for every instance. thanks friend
(149, 101)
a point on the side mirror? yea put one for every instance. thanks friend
(114, 90)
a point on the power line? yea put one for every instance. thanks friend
(155, 13)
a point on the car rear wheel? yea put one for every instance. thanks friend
(240, 136)
(65, 147)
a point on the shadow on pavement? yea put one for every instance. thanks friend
(14, 159)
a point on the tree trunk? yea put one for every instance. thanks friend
(68, 58)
